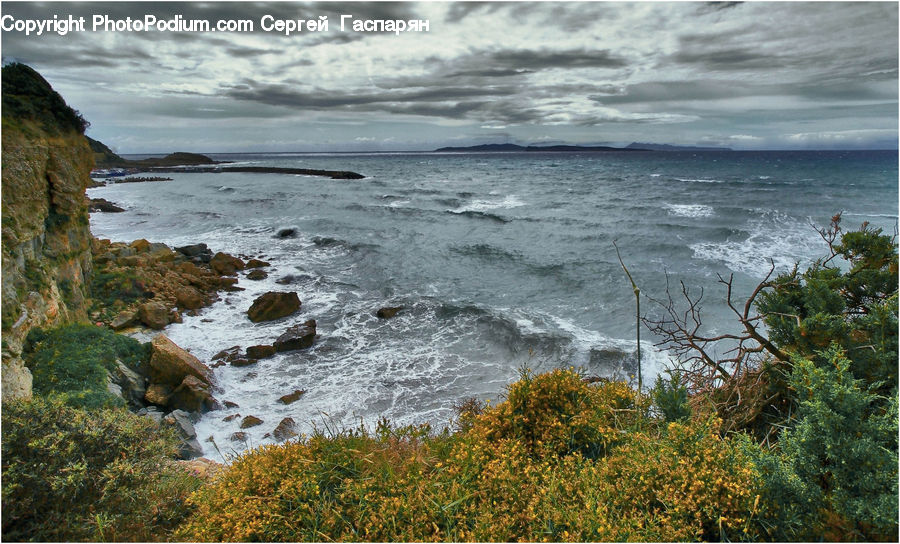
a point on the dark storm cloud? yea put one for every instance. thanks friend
(729, 59)
(542, 59)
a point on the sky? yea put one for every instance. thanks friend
(752, 75)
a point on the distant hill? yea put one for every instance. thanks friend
(105, 158)
(667, 147)
(494, 148)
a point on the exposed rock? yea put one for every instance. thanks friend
(229, 404)
(181, 421)
(169, 364)
(189, 297)
(228, 354)
(202, 467)
(232, 417)
(260, 352)
(140, 245)
(154, 314)
(256, 263)
(133, 385)
(225, 264)
(291, 397)
(174, 316)
(239, 436)
(192, 395)
(193, 250)
(123, 320)
(112, 387)
(273, 305)
(286, 233)
(103, 205)
(250, 421)
(243, 361)
(257, 275)
(158, 394)
(297, 337)
(287, 280)
(152, 412)
(286, 429)
(388, 312)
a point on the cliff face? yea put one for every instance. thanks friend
(46, 240)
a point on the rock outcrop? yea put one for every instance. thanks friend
(273, 305)
(46, 243)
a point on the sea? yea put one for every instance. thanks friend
(503, 263)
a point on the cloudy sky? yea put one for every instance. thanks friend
(752, 75)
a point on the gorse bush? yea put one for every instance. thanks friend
(74, 475)
(72, 362)
(529, 468)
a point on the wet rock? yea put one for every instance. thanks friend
(250, 421)
(286, 233)
(103, 205)
(228, 354)
(286, 429)
(273, 305)
(291, 397)
(388, 312)
(229, 404)
(232, 417)
(123, 320)
(287, 280)
(239, 436)
(140, 245)
(189, 447)
(192, 250)
(243, 361)
(225, 264)
(133, 385)
(297, 337)
(154, 314)
(169, 364)
(192, 395)
(174, 316)
(257, 275)
(260, 352)
(256, 263)
(152, 412)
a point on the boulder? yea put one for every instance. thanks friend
(181, 422)
(140, 245)
(225, 264)
(169, 364)
(256, 263)
(154, 314)
(388, 312)
(257, 275)
(133, 385)
(232, 417)
(152, 412)
(158, 394)
(297, 337)
(291, 397)
(273, 305)
(192, 395)
(243, 361)
(192, 250)
(189, 298)
(286, 233)
(260, 352)
(239, 436)
(123, 320)
(103, 205)
(229, 404)
(250, 421)
(286, 429)
(228, 354)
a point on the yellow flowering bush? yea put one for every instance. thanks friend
(559, 460)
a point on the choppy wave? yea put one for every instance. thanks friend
(690, 210)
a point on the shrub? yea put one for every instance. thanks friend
(116, 288)
(73, 475)
(671, 397)
(27, 95)
(836, 471)
(72, 362)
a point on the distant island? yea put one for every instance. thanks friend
(513, 148)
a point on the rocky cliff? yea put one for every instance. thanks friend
(46, 240)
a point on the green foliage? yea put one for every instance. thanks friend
(116, 288)
(854, 305)
(72, 475)
(515, 473)
(72, 361)
(671, 397)
(27, 95)
(836, 471)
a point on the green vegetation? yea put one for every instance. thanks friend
(115, 288)
(28, 96)
(71, 362)
(76, 475)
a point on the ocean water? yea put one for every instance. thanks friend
(501, 261)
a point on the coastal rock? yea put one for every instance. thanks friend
(291, 397)
(232, 417)
(189, 298)
(140, 245)
(286, 233)
(169, 364)
(239, 436)
(123, 320)
(273, 305)
(193, 250)
(229, 404)
(133, 385)
(228, 354)
(103, 205)
(154, 314)
(158, 394)
(261, 351)
(202, 467)
(388, 312)
(250, 421)
(181, 422)
(256, 263)
(152, 412)
(243, 361)
(297, 337)
(225, 264)
(192, 395)
(287, 428)
(257, 275)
